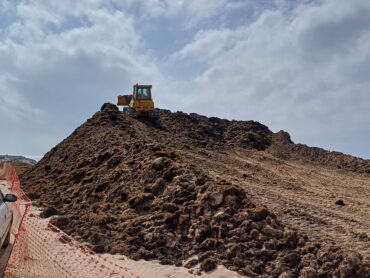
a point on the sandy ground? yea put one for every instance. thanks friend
(153, 269)
(303, 196)
(142, 269)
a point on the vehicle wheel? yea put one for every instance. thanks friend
(7, 239)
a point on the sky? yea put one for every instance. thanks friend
(298, 65)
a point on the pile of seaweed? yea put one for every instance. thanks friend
(120, 184)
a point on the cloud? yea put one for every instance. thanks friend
(298, 65)
(13, 105)
(168, 8)
(304, 69)
(60, 63)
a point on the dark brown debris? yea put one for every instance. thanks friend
(123, 185)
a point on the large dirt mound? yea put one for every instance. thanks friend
(283, 147)
(121, 185)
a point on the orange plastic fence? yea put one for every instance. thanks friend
(20, 210)
(42, 250)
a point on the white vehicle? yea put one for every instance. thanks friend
(6, 217)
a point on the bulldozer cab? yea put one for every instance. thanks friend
(140, 102)
(142, 92)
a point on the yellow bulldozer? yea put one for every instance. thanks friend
(139, 103)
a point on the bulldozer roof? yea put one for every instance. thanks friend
(143, 86)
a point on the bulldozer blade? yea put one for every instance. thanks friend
(124, 100)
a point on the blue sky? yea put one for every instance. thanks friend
(302, 66)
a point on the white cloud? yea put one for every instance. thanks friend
(192, 10)
(107, 36)
(305, 70)
(59, 58)
(14, 107)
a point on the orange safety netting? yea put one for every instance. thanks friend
(42, 250)
(20, 210)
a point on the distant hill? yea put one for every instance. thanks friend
(17, 159)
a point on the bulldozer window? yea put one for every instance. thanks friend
(143, 93)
